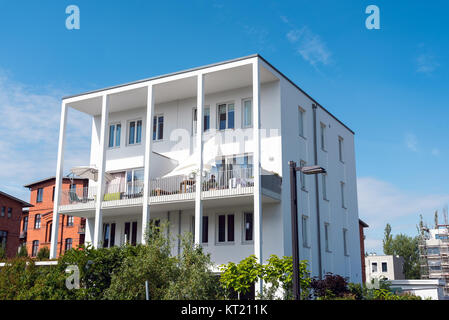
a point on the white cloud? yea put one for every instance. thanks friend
(29, 135)
(381, 202)
(426, 63)
(411, 142)
(310, 46)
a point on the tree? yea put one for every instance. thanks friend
(405, 247)
(22, 252)
(388, 240)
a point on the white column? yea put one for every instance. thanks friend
(58, 182)
(98, 228)
(199, 150)
(148, 152)
(256, 168)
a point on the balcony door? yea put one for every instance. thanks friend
(130, 233)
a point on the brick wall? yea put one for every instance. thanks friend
(10, 224)
(44, 208)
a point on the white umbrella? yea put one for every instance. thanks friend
(90, 172)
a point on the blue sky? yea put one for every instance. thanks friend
(391, 86)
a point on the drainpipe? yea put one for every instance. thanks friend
(317, 195)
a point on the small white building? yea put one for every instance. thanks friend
(432, 289)
(207, 149)
(388, 267)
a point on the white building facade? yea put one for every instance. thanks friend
(230, 128)
(388, 267)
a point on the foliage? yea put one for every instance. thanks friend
(405, 247)
(332, 286)
(23, 253)
(2, 253)
(193, 278)
(43, 253)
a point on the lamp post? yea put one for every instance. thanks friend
(294, 220)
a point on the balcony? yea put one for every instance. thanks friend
(216, 184)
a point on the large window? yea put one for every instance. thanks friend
(115, 131)
(35, 248)
(206, 119)
(248, 226)
(304, 222)
(158, 127)
(37, 221)
(69, 221)
(40, 195)
(3, 239)
(134, 181)
(134, 132)
(226, 228)
(247, 113)
(301, 117)
(225, 116)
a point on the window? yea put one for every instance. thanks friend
(342, 189)
(25, 224)
(226, 228)
(326, 237)
(433, 250)
(69, 221)
(134, 182)
(323, 136)
(35, 248)
(68, 244)
(225, 116)
(53, 195)
(247, 113)
(374, 267)
(37, 221)
(205, 236)
(109, 235)
(324, 186)
(158, 127)
(9, 212)
(3, 239)
(3, 211)
(384, 267)
(340, 148)
(304, 221)
(206, 118)
(301, 116)
(115, 131)
(134, 132)
(345, 242)
(302, 176)
(40, 195)
(48, 232)
(248, 221)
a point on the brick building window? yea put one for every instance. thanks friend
(3, 238)
(68, 244)
(37, 221)
(9, 213)
(35, 248)
(69, 221)
(3, 212)
(40, 195)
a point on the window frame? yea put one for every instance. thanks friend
(323, 135)
(34, 248)
(324, 186)
(37, 222)
(195, 122)
(9, 213)
(301, 122)
(305, 231)
(226, 229)
(70, 221)
(114, 144)
(302, 176)
(66, 242)
(327, 237)
(227, 104)
(40, 195)
(341, 149)
(372, 267)
(3, 211)
(342, 193)
(250, 125)
(244, 215)
(128, 127)
(156, 126)
(345, 242)
(382, 264)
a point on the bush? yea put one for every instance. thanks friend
(2, 254)
(23, 253)
(332, 286)
(43, 253)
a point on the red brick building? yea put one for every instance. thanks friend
(362, 225)
(39, 221)
(10, 216)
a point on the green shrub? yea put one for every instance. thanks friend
(43, 253)
(23, 253)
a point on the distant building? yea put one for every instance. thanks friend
(384, 267)
(434, 254)
(362, 225)
(37, 224)
(10, 215)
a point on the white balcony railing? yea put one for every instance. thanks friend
(217, 183)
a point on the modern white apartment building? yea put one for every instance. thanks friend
(230, 128)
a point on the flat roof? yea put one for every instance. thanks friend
(208, 66)
(24, 203)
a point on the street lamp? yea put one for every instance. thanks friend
(294, 217)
